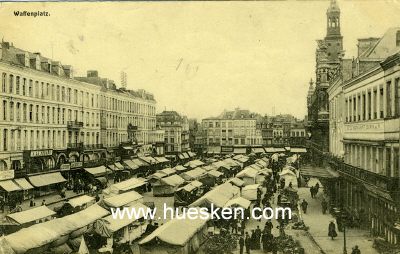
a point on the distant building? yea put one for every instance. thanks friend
(232, 129)
(176, 129)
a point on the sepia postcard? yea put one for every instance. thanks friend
(200, 127)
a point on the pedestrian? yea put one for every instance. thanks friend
(241, 244)
(267, 241)
(44, 202)
(316, 188)
(32, 202)
(268, 227)
(234, 227)
(258, 238)
(247, 243)
(356, 250)
(324, 206)
(332, 230)
(97, 198)
(304, 205)
(253, 240)
(312, 191)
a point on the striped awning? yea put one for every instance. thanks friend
(9, 185)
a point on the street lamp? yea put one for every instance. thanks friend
(343, 218)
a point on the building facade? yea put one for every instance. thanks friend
(365, 125)
(232, 128)
(49, 118)
(176, 132)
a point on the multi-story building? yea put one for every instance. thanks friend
(176, 128)
(328, 58)
(49, 118)
(233, 129)
(298, 135)
(365, 125)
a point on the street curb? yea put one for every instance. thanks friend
(315, 242)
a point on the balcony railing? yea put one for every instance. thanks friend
(78, 145)
(93, 146)
(74, 125)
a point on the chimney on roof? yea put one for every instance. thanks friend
(92, 74)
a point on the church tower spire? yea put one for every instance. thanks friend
(333, 19)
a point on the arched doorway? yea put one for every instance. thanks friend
(36, 165)
(50, 163)
(62, 159)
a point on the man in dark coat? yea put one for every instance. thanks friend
(268, 227)
(247, 243)
(241, 244)
(253, 240)
(332, 230)
(258, 238)
(304, 206)
(356, 250)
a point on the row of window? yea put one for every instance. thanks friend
(20, 112)
(376, 103)
(17, 85)
(218, 124)
(236, 141)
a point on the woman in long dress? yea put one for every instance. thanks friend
(332, 230)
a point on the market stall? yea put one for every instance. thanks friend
(238, 202)
(249, 192)
(127, 185)
(167, 186)
(74, 205)
(176, 236)
(194, 174)
(218, 196)
(188, 193)
(124, 199)
(194, 164)
(250, 175)
(55, 232)
(289, 176)
(122, 230)
(32, 216)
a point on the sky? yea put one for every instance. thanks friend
(198, 58)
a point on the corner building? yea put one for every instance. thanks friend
(49, 118)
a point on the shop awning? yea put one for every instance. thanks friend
(167, 171)
(46, 179)
(318, 172)
(30, 215)
(298, 150)
(23, 183)
(258, 150)
(123, 199)
(139, 163)
(149, 160)
(180, 156)
(130, 164)
(127, 147)
(129, 184)
(119, 165)
(239, 150)
(9, 186)
(81, 200)
(173, 180)
(270, 150)
(191, 154)
(179, 168)
(215, 173)
(98, 171)
(185, 155)
(161, 159)
(112, 225)
(191, 186)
